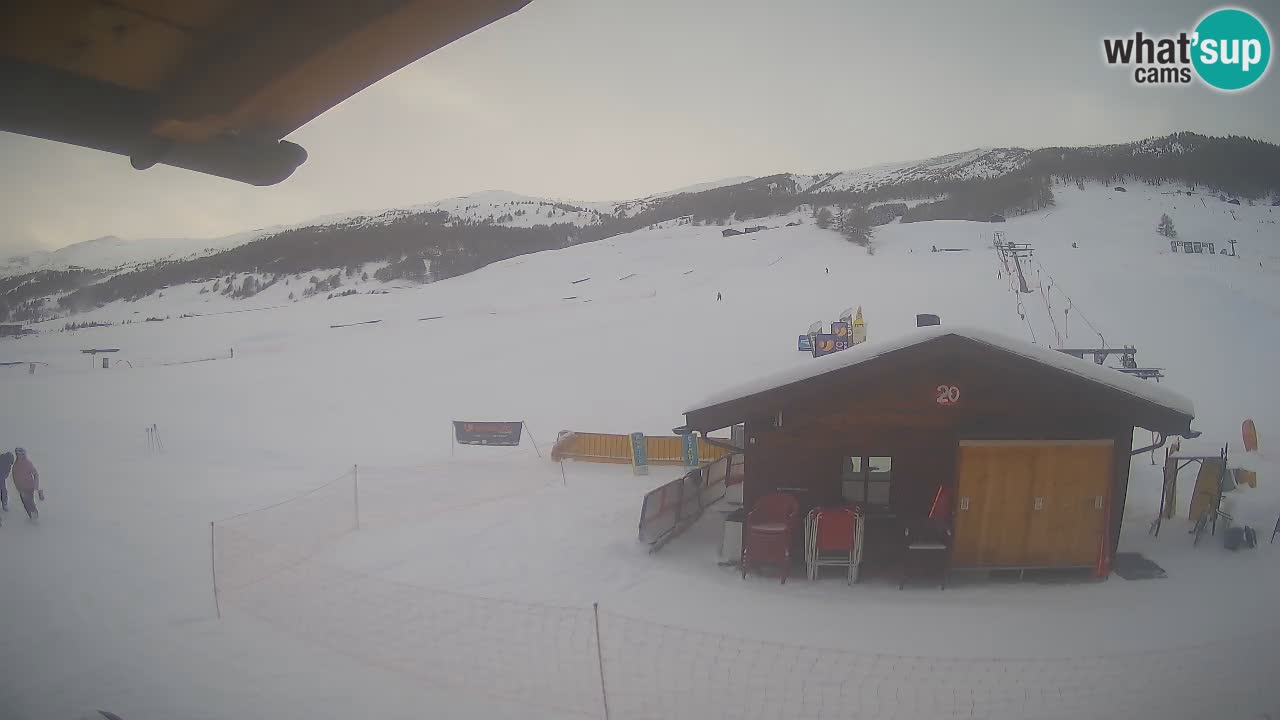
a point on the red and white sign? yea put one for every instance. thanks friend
(948, 395)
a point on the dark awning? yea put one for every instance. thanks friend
(209, 85)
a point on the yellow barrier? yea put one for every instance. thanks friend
(606, 448)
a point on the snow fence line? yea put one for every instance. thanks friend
(591, 662)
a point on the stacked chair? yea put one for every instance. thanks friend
(771, 526)
(833, 538)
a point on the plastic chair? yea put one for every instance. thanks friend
(833, 538)
(927, 545)
(768, 533)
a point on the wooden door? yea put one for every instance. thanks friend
(1068, 504)
(1031, 504)
(993, 495)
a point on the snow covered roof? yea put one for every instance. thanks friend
(1142, 389)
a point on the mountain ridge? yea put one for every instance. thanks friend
(495, 204)
(453, 236)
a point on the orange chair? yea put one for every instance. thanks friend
(769, 531)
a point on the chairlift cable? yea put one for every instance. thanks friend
(1071, 304)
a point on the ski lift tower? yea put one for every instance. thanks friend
(1018, 251)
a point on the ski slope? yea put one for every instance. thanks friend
(107, 601)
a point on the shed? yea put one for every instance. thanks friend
(1033, 446)
(729, 232)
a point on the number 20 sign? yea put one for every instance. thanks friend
(948, 394)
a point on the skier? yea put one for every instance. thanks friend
(6, 462)
(719, 297)
(27, 482)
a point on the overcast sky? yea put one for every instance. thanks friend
(613, 99)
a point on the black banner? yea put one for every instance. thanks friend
(487, 433)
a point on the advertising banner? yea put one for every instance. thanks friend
(639, 454)
(824, 344)
(487, 433)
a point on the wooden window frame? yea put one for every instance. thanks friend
(864, 477)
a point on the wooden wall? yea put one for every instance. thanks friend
(810, 455)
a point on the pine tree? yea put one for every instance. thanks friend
(822, 217)
(855, 225)
(1165, 227)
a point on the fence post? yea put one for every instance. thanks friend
(355, 482)
(525, 425)
(604, 693)
(213, 570)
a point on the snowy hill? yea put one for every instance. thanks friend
(509, 209)
(469, 555)
(973, 164)
(451, 237)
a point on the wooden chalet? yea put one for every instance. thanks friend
(1031, 446)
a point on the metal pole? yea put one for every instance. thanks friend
(452, 439)
(604, 694)
(525, 425)
(213, 569)
(563, 480)
(355, 481)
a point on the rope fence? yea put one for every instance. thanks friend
(275, 565)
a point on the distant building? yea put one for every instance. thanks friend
(729, 232)
(1120, 188)
(757, 228)
(997, 217)
(10, 330)
(1233, 201)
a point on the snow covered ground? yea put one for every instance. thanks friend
(468, 589)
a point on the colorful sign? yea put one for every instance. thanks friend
(841, 330)
(858, 332)
(824, 344)
(487, 433)
(639, 454)
(689, 444)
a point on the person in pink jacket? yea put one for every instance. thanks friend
(27, 481)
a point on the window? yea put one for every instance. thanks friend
(866, 479)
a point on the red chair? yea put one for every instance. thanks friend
(771, 526)
(833, 537)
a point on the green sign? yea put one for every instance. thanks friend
(690, 442)
(639, 454)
